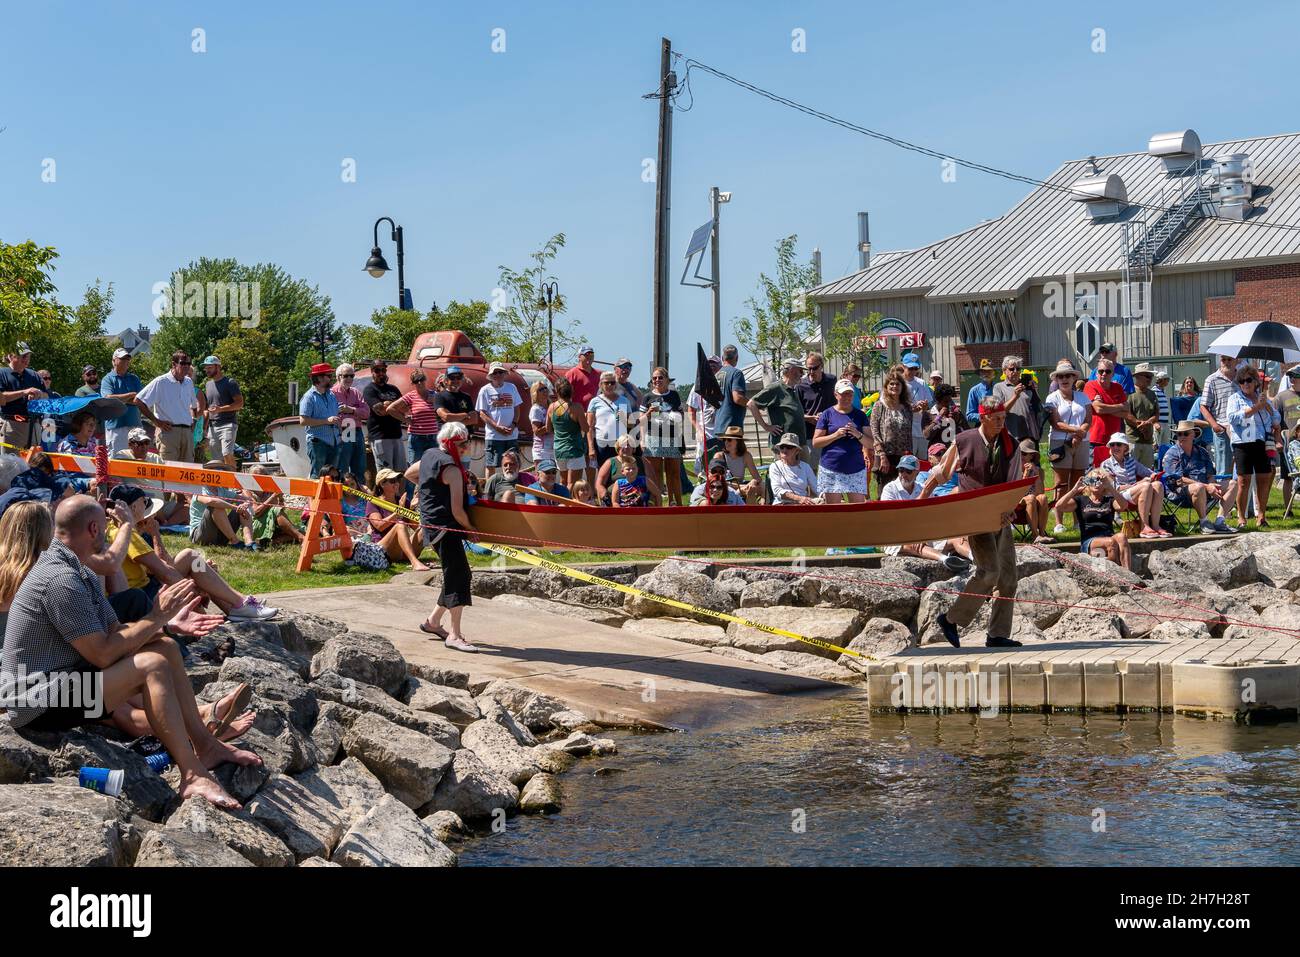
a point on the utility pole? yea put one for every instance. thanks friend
(663, 203)
(715, 208)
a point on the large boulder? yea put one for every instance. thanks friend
(410, 764)
(260, 639)
(274, 687)
(835, 626)
(236, 830)
(370, 699)
(1035, 559)
(1088, 624)
(678, 629)
(1180, 631)
(1277, 621)
(811, 666)
(935, 601)
(21, 757)
(143, 791)
(766, 592)
(349, 787)
(181, 848)
(682, 583)
(594, 596)
(580, 744)
(879, 638)
(1043, 597)
(390, 835)
(472, 790)
(1225, 562)
(490, 584)
(439, 676)
(876, 592)
(1098, 576)
(541, 794)
(926, 571)
(530, 708)
(445, 825)
(281, 746)
(60, 825)
(493, 710)
(497, 748)
(363, 657)
(308, 825)
(1279, 564)
(454, 704)
(307, 634)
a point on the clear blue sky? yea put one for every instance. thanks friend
(164, 155)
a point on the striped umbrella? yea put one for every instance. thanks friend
(1259, 340)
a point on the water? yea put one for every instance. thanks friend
(927, 790)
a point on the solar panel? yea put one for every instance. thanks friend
(699, 239)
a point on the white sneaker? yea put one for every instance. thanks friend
(1059, 530)
(459, 644)
(252, 610)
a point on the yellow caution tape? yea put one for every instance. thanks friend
(539, 562)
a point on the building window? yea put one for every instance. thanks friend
(988, 321)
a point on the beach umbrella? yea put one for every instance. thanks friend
(104, 408)
(1269, 340)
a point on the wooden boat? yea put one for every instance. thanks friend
(748, 526)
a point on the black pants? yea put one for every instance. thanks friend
(455, 570)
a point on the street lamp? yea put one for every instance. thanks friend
(548, 296)
(377, 265)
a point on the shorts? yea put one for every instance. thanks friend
(57, 719)
(1180, 498)
(831, 482)
(221, 440)
(1076, 459)
(496, 448)
(575, 464)
(1251, 458)
(1085, 547)
(207, 533)
(653, 451)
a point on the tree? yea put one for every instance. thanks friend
(393, 331)
(78, 341)
(522, 325)
(249, 357)
(842, 341)
(27, 305)
(780, 323)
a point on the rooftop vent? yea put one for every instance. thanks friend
(1104, 194)
(1180, 151)
(1234, 175)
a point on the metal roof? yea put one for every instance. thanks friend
(1049, 233)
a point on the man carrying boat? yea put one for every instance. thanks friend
(983, 457)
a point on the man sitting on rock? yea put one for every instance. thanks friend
(67, 661)
(953, 552)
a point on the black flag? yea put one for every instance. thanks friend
(706, 380)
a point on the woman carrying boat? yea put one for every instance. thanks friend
(440, 477)
(568, 424)
(842, 434)
(662, 435)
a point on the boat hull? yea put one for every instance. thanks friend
(713, 528)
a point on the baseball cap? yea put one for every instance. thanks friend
(454, 370)
(1294, 372)
(586, 351)
(121, 353)
(937, 450)
(385, 475)
(912, 360)
(986, 366)
(496, 367)
(22, 349)
(87, 369)
(718, 461)
(909, 462)
(547, 465)
(1107, 347)
(789, 364)
(211, 361)
(843, 386)
(625, 361)
(137, 435)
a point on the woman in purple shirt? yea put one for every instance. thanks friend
(842, 434)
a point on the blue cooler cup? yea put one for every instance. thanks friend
(102, 780)
(160, 761)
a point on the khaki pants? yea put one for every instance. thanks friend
(18, 434)
(994, 555)
(177, 445)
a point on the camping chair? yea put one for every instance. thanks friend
(1293, 464)
(1186, 521)
(1021, 529)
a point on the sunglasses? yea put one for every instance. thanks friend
(454, 378)
(814, 368)
(1013, 368)
(185, 363)
(657, 378)
(1105, 372)
(903, 471)
(625, 368)
(347, 375)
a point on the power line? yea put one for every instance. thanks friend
(925, 150)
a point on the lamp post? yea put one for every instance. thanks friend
(376, 265)
(716, 199)
(548, 296)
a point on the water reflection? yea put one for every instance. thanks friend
(925, 789)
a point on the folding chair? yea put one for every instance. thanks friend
(1293, 462)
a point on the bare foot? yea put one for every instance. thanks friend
(419, 567)
(205, 786)
(220, 752)
(239, 725)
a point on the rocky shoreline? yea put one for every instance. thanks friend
(368, 761)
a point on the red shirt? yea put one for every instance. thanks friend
(1104, 426)
(585, 385)
(423, 420)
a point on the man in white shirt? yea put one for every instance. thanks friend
(498, 405)
(921, 399)
(172, 402)
(954, 553)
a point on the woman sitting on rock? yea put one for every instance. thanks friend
(1093, 501)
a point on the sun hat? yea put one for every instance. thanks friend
(1162, 374)
(137, 435)
(1065, 367)
(1121, 438)
(936, 374)
(1186, 426)
(130, 494)
(843, 385)
(385, 475)
(909, 462)
(731, 432)
(912, 360)
(1143, 368)
(789, 440)
(1029, 446)
(322, 368)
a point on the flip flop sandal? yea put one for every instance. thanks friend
(439, 633)
(1148, 535)
(243, 695)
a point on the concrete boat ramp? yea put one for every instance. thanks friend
(621, 677)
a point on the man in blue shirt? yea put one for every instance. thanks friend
(734, 400)
(1189, 476)
(1122, 374)
(18, 384)
(980, 390)
(122, 384)
(319, 412)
